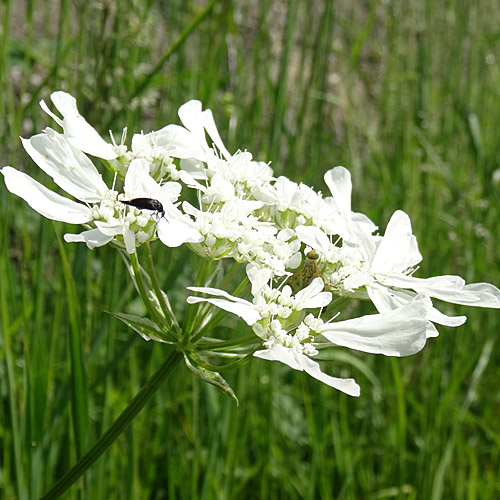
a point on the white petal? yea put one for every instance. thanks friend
(347, 385)
(174, 233)
(443, 319)
(363, 222)
(175, 140)
(314, 237)
(294, 261)
(338, 179)
(44, 106)
(111, 229)
(451, 289)
(43, 200)
(191, 182)
(171, 190)
(312, 296)
(385, 299)
(69, 167)
(282, 354)
(195, 168)
(400, 332)
(244, 311)
(190, 115)
(210, 127)
(301, 362)
(218, 293)
(78, 131)
(259, 279)
(398, 249)
(93, 238)
(139, 184)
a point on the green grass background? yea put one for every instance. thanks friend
(406, 95)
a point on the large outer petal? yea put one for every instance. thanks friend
(301, 362)
(69, 167)
(43, 200)
(210, 127)
(450, 289)
(386, 299)
(398, 249)
(400, 332)
(77, 130)
(338, 179)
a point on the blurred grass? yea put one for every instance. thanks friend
(405, 95)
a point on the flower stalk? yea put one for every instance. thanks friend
(117, 427)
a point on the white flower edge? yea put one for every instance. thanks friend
(68, 166)
(93, 238)
(76, 129)
(301, 362)
(400, 332)
(244, 311)
(43, 200)
(451, 289)
(385, 300)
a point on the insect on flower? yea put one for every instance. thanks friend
(303, 277)
(146, 204)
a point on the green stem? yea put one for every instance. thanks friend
(118, 426)
(165, 307)
(158, 318)
(194, 309)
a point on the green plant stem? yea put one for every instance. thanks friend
(143, 292)
(167, 311)
(118, 426)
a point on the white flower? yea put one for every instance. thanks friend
(74, 172)
(396, 333)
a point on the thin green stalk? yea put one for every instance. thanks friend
(118, 426)
(167, 311)
(246, 340)
(158, 318)
(222, 368)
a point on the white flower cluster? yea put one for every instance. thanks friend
(246, 214)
